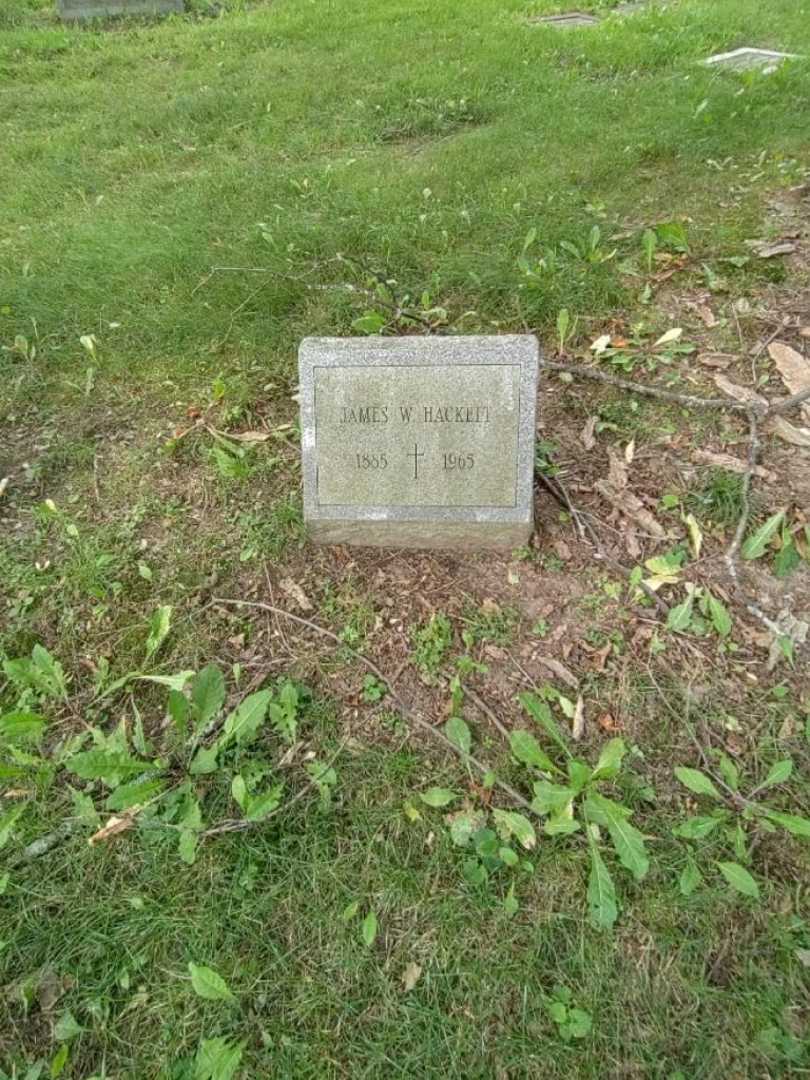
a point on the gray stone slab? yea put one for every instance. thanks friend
(568, 19)
(75, 10)
(747, 58)
(419, 441)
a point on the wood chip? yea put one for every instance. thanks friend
(717, 359)
(786, 431)
(587, 437)
(578, 720)
(794, 369)
(743, 394)
(730, 463)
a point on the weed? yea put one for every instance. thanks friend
(271, 534)
(491, 623)
(431, 642)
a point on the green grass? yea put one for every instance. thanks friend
(424, 141)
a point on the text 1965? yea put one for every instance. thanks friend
(459, 461)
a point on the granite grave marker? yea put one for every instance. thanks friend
(419, 441)
(75, 10)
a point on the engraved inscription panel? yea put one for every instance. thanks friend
(420, 435)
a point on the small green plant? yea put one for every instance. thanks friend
(736, 818)
(700, 613)
(491, 623)
(572, 1022)
(719, 498)
(430, 644)
(373, 690)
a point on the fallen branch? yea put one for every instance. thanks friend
(694, 401)
(407, 710)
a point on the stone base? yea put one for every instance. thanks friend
(429, 535)
(75, 10)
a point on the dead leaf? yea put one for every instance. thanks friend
(6, 480)
(617, 474)
(706, 315)
(587, 435)
(114, 826)
(562, 549)
(804, 331)
(560, 670)
(601, 344)
(247, 436)
(717, 359)
(740, 393)
(794, 369)
(632, 507)
(490, 606)
(630, 451)
(578, 720)
(789, 433)
(670, 336)
(607, 723)
(730, 463)
(766, 250)
(600, 657)
(296, 593)
(410, 976)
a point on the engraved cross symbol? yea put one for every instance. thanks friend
(416, 455)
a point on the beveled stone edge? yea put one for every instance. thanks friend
(507, 349)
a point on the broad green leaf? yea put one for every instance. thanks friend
(50, 672)
(177, 708)
(368, 929)
(171, 682)
(111, 766)
(602, 907)
(207, 694)
(527, 750)
(208, 983)
(370, 323)
(204, 761)
(680, 616)
(262, 805)
(463, 824)
(4, 880)
(610, 759)
(739, 878)
(160, 624)
(778, 773)
(697, 828)
(243, 723)
(730, 772)
(627, 840)
(58, 1063)
(8, 821)
(16, 727)
(187, 846)
(350, 911)
(66, 1027)
(438, 796)
(510, 823)
(541, 714)
(459, 734)
(562, 824)
(697, 781)
(719, 614)
(757, 544)
(578, 774)
(551, 798)
(787, 557)
(135, 793)
(798, 826)
(217, 1059)
(690, 878)
(239, 790)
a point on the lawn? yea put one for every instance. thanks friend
(182, 201)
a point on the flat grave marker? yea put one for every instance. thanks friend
(77, 10)
(419, 441)
(748, 58)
